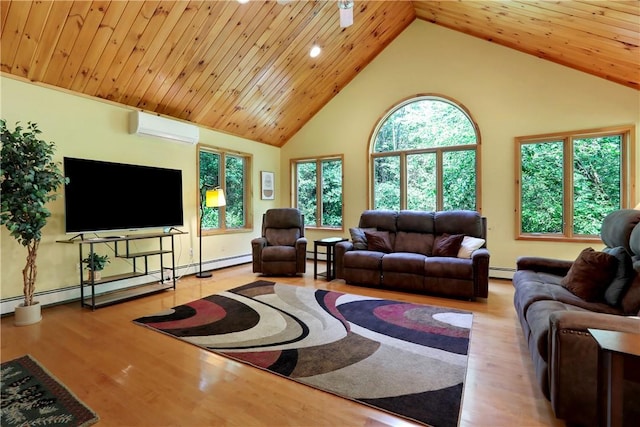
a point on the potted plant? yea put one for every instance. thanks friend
(95, 264)
(28, 180)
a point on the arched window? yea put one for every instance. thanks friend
(425, 156)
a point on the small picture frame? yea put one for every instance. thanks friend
(267, 185)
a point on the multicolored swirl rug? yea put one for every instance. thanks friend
(31, 396)
(408, 359)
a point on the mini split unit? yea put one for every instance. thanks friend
(152, 125)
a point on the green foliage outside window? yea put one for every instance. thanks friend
(595, 171)
(428, 137)
(234, 176)
(328, 173)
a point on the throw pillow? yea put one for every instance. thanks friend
(624, 274)
(447, 245)
(378, 241)
(358, 238)
(590, 274)
(468, 245)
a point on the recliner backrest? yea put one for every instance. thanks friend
(282, 226)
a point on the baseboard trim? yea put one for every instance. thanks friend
(72, 293)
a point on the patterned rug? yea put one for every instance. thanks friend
(31, 396)
(407, 359)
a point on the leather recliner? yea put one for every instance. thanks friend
(282, 248)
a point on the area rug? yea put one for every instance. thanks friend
(407, 359)
(31, 396)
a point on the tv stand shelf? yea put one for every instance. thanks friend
(122, 249)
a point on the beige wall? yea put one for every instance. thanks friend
(93, 129)
(508, 93)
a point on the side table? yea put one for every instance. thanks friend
(330, 244)
(614, 349)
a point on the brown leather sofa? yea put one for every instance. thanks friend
(282, 249)
(409, 263)
(555, 321)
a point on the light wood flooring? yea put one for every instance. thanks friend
(133, 376)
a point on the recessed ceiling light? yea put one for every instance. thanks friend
(243, 1)
(315, 51)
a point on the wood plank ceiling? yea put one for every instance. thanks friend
(244, 69)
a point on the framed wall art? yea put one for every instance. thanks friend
(267, 185)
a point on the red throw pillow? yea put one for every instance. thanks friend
(378, 241)
(590, 274)
(447, 245)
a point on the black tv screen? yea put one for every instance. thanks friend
(104, 196)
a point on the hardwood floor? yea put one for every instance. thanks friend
(132, 376)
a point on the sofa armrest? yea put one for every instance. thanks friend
(573, 360)
(256, 253)
(301, 254)
(558, 267)
(340, 249)
(480, 263)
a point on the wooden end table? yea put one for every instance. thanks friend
(614, 348)
(330, 244)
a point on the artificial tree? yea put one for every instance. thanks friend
(28, 180)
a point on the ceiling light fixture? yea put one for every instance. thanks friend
(315, 51)
(346, 12)
(243, 1)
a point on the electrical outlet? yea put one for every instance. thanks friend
(77, 267)
(190, 251)
(167, 275)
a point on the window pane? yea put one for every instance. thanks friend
(542, 187)
(459, 180)
(422, 185)
(209, 177)
(597, 168)
(386, 183)
(332, 193)
(234, 186)
(306, 188)
(425, 123)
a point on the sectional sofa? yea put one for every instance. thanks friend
(441, 253)
(557, 301)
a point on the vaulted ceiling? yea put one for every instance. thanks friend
(244, 69)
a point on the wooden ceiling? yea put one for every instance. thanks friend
(244, 69)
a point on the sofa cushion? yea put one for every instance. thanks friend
(416, 221)
(447, 245)
(378, 241)
(532, 286)
(468, 223)
(418, 243)
(468, 245)
(623, 277)
(410, 263)
(358, 237)
(590, 275)
(454, 268)
(379, 219)
(368, 260)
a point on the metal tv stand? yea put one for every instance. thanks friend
(121, 249)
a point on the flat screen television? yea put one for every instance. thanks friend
(103, 196)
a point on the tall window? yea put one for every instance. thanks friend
(318, 190)
(229, 171)
(425, 157)
(569, 182)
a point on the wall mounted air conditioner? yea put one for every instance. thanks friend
(152, 125)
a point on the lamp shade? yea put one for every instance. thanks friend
(215, 198)
(637, 207)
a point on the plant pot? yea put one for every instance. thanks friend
(95, 274)
(27, 314)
